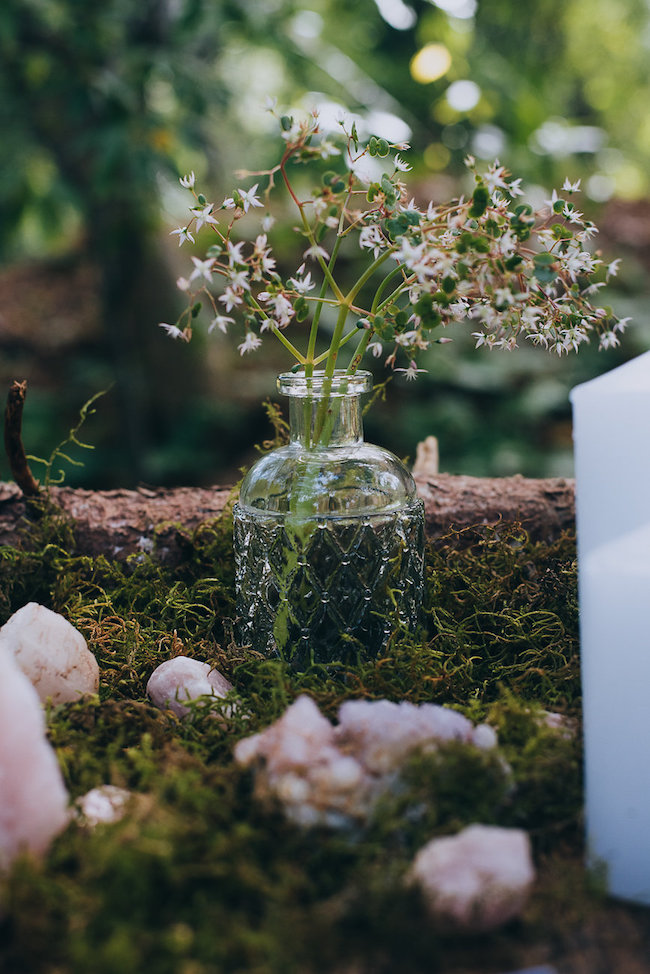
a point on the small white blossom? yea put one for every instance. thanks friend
(183, 284)
(570, 187)
(174, 331)
(188, 181)
(267, 222)
(553, 200)
(235, 255)
(248, 198)
(250, 343)
(375, 349)
(202, 268)
(230, 298)
(183, 235)
(316, 251)
(221, 322)
(371, 238)
(412, 371)
(302, 284)
(612, 268)
(401, 165)
(204, 216)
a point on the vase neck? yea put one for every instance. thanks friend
(325, 412)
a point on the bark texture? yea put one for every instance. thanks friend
(119, 523)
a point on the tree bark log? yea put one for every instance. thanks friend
(119, 523)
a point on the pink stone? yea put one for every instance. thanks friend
(478, 879)
(177, 681)
(381, 734)
(52, 654)
(33, 797)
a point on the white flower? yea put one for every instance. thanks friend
(283, 309)
(401, 165)
(267, 222)
(188, 181)
(612, 269)
(316, 251)
(570, 187)
(228, 203)
(412, 371)
(183, 284)
(234, 253)
(183, 235)
(553, 200)
(203, 215)
(371, 238)
(375, 348)
(302, 284)
(202, 268)
(248, 197)
(250, 343)
(230, 299)
(221, 322)
(327, 149)
(173, 331)
(269, 104)
(238, 280)
(495, 178)
(608, 340)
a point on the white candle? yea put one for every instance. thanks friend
(611, 419)
(611, 431)
(615, 636)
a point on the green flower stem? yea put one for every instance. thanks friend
(276, 331)
(367, 274)
(359, 352)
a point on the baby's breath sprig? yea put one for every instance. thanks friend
(489, 259)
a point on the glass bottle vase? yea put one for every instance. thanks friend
(328, 534)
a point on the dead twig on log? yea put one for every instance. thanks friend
(13, 440)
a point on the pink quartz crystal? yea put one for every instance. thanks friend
(52, 654)
(177, 681)
(33, 797)
(478, 879)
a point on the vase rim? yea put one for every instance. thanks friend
(342, 383)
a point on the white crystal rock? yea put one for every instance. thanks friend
(180, 680)
(103, 805)
(478, 879)
(302, 766)
(33, 797)
(381, 734)
(327, 774)
(52, 654)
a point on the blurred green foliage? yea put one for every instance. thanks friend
(102, 107)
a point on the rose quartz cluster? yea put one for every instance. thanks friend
(334, 775)
(178, 681)
(478, 879)
(52, 654)
(33, 797)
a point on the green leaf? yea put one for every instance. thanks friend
(480, 200)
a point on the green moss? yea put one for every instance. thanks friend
(199, 877)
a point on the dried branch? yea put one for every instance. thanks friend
(13, 440)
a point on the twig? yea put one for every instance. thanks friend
(13, 440)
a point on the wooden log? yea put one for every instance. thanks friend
(119, 523)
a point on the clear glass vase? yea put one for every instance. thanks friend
(328, 534)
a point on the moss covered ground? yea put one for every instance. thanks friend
(198, 877)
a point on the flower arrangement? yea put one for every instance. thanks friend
(488, 259)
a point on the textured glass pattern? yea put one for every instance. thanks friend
(329, 589)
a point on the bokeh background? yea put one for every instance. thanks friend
(104, 106)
